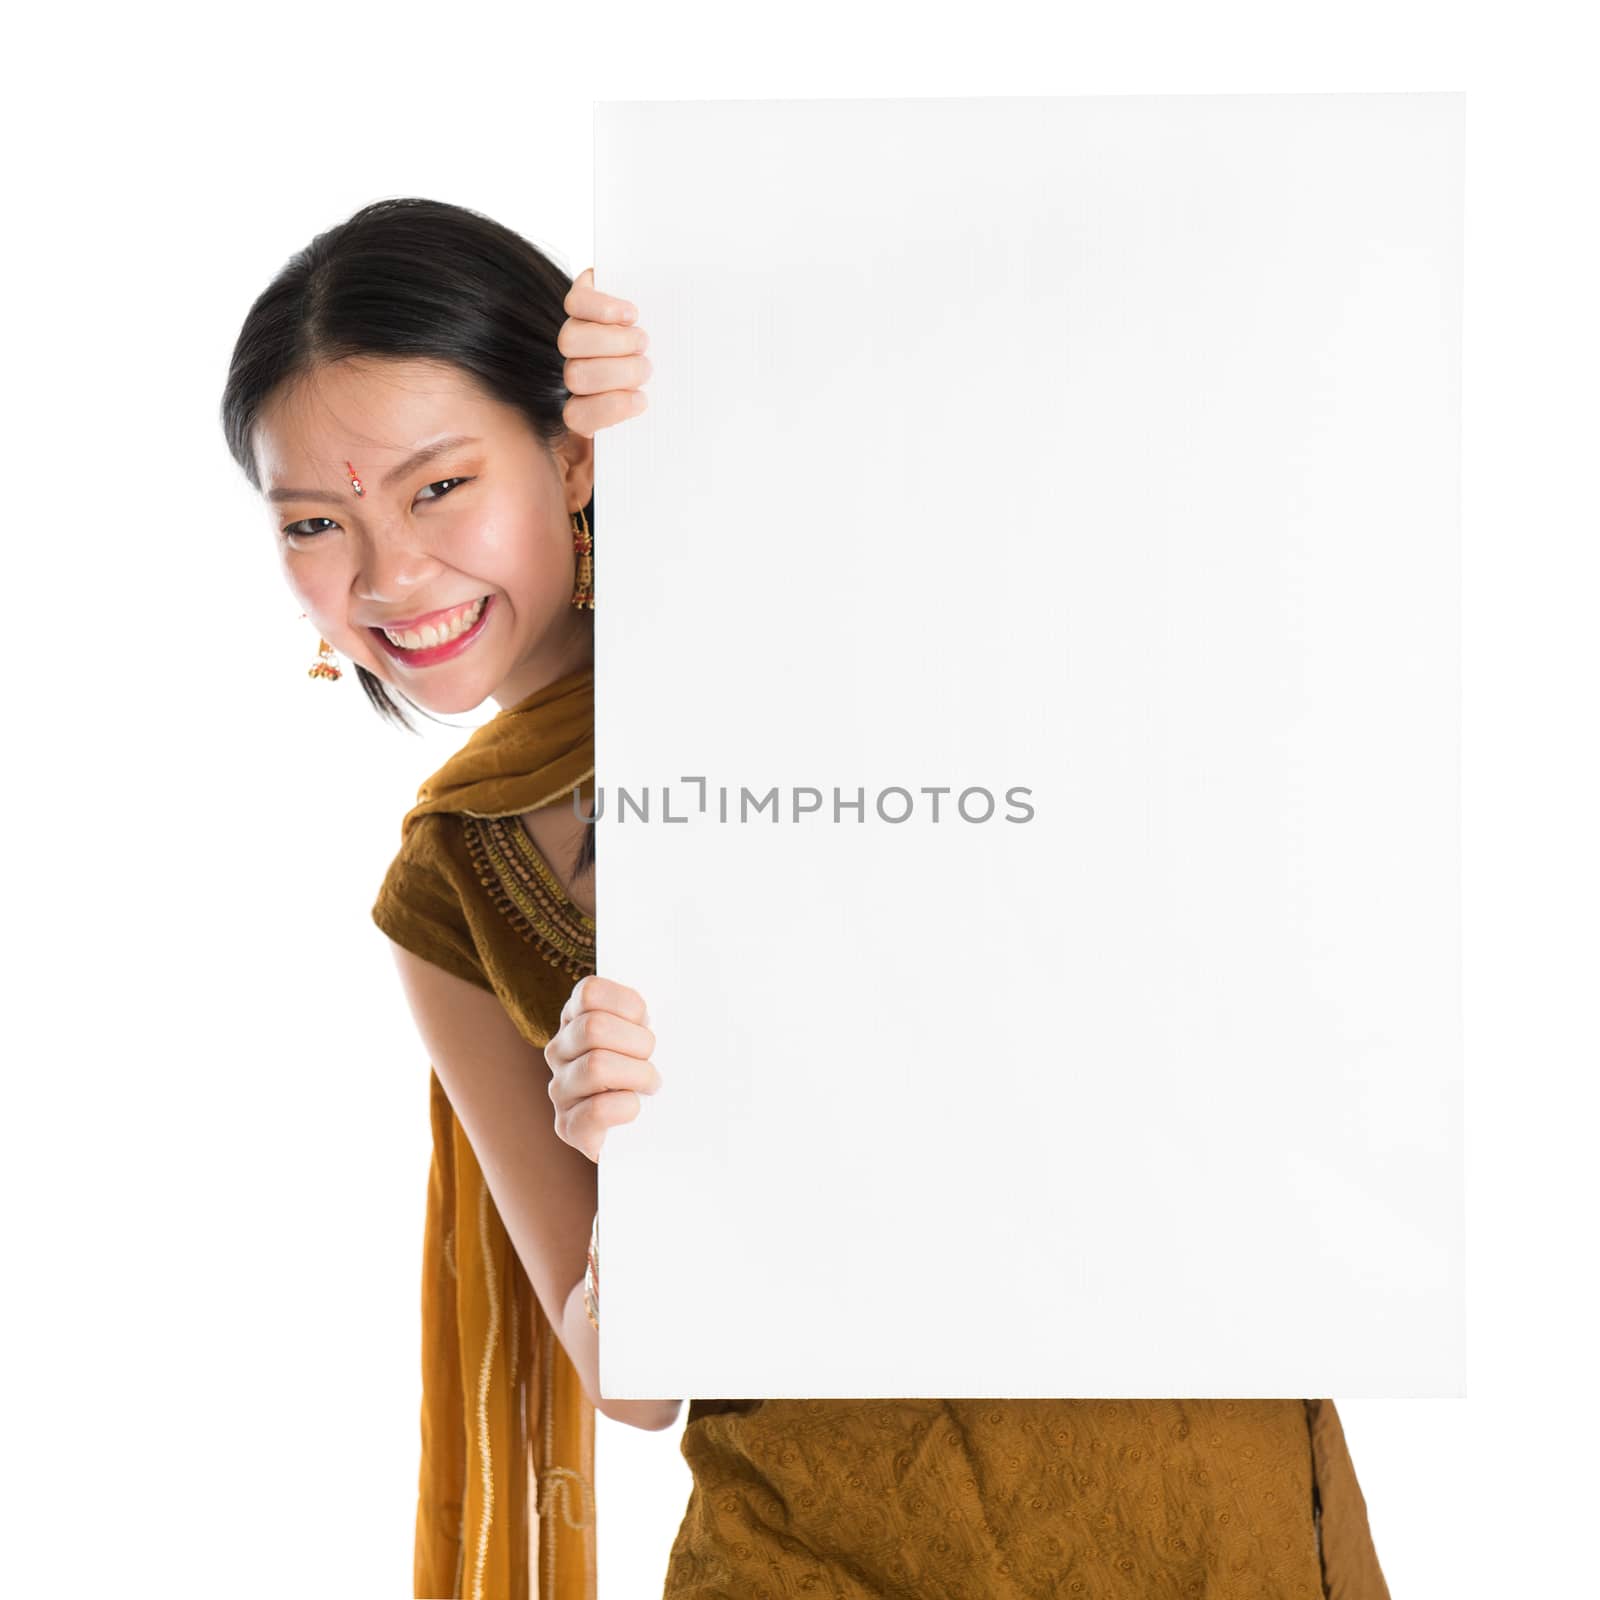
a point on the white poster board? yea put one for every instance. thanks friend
(1103, 448)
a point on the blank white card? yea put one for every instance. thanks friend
(1027, 703)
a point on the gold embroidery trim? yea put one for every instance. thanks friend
(485, 1369)
(528, 893)
(559, 1487)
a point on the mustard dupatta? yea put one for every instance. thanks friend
(531, 753)
(501, 1400)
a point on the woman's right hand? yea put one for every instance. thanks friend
(605, 361)
(600, 1062)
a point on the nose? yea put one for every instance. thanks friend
(391, 570)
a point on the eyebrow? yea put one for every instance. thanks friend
(416, 459)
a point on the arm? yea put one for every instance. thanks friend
(543, 1188)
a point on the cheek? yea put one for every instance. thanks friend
(313, 583)
(514, 549)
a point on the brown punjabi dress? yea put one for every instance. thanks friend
(505, 1490)
(937, 1499)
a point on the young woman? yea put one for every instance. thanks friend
(415, 395)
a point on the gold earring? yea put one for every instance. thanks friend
(323, 666)
(583, 545)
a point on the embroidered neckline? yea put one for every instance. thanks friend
(526, 891)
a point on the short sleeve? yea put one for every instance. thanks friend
(419, 908)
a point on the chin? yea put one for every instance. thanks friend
(450, 703)
(441, 698)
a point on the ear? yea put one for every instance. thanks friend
(574, 458)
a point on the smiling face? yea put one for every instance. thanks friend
(460, 504)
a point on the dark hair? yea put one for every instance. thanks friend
(417, 279)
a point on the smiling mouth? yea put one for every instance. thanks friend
(439, 639)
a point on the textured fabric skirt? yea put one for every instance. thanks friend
(993, 1499)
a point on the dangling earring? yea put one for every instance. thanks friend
(323, 666)
(583, 545)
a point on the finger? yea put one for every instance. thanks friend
(589, 1122)
(588, 414)
(605, 1030)
(594, 305)
(593, 374)
(578, 338)
(594, 993)
(599, 1072)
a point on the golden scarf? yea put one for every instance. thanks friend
(529, 754)
(498, 1387)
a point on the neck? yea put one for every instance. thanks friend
(552, 658)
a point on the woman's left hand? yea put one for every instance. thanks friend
(600, 1062)
(606, 363)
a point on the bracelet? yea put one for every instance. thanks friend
(591, 1276)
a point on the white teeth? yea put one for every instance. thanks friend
(426, 638)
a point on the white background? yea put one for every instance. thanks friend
(217, 1123)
